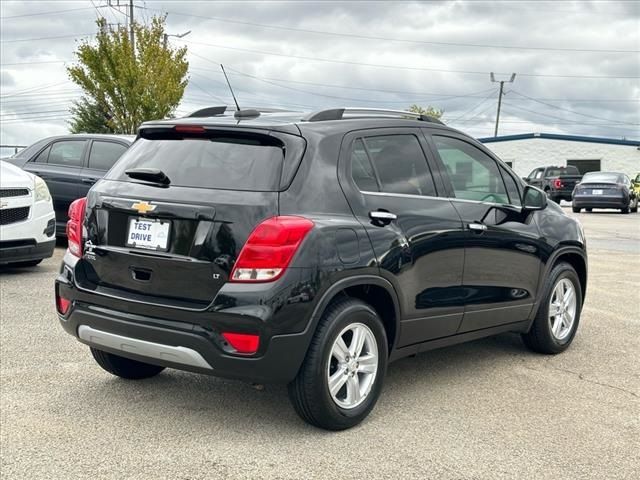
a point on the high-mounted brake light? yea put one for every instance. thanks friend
(74, 225)
(189, 129)
(270, 248)
(557, 183)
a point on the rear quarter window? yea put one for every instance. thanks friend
(231, 162)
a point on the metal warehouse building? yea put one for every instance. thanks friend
(531, 150)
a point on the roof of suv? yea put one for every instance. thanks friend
(340, 119)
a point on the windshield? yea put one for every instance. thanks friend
(250, 163)
(604, 177)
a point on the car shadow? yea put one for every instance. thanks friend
(209, 404)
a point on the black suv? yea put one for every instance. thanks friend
(272, 247)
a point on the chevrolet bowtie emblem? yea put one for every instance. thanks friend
(143, 207)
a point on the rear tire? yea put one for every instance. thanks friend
(625, 210)
(310, 392)
(589, 210)
(556, 323)
(577, 210)
(124, 367)
(634, 209)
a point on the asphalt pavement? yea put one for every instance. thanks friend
(484, 410)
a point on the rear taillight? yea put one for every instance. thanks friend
(74, 225)
(557, 183)
(270, 248)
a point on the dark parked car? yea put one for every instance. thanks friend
(312, 250)
(556, 182)
(605, 190)
(70, 165)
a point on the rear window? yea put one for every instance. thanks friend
(234, 162)
(556, 172)
(602, 177)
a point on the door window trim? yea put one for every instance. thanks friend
(87, 165)
(83, 155)
(447, 180)
(346, 150)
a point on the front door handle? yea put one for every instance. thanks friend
(90, 181)
(477, 227)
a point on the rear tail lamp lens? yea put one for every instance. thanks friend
(75, 224)
(557, 183)
(242, 342)
(62, 304)
(270, 248)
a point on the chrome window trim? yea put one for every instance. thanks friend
(408, 195)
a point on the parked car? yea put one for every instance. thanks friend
(71, 164)
(556, 182)
(27, 221)
(404, 235)
(605, 190)
(636, 184)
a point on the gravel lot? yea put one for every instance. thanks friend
(488, 409)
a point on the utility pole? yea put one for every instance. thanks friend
(493, 80)
(131, 33)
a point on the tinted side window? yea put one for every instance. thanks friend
(361, 169)
(474, 175)
(42, 156)
(539, 174)
(104, 154)
(67, 153)
(512, 188)
(400, 165)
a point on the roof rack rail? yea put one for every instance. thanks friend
(339, 114)
(208, 112)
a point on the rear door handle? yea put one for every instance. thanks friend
(477, 227)
(382, 216)
(90, 181)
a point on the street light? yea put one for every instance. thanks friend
(180, 35)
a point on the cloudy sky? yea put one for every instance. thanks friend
(577, 64)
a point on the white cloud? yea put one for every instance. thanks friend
(298, 83)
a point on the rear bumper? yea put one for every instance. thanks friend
(600, 201)
(179, 339)
(25, 250)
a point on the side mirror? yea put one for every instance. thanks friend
(533, 198)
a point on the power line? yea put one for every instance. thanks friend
(493, 91)
(564, 119)
(390, 39)
(400, 67)
(53, 12)
(559, 108)
(48, 38)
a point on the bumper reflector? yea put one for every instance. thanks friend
(62, 304)
(242, 342)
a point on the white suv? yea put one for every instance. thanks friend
(27, 221)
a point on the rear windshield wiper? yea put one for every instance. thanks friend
(154, 175)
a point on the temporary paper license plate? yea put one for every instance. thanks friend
(146, 233)
(596, 192)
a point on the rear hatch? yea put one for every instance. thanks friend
(175, 243)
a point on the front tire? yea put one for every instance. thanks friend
(576, 209)
(124, 367)
(341, 377)
(556, 322)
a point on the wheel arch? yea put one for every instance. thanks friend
(574, 256)
(373, 290)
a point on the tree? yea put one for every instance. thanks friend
(429, 111)
(131, 85)
(89, 117)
